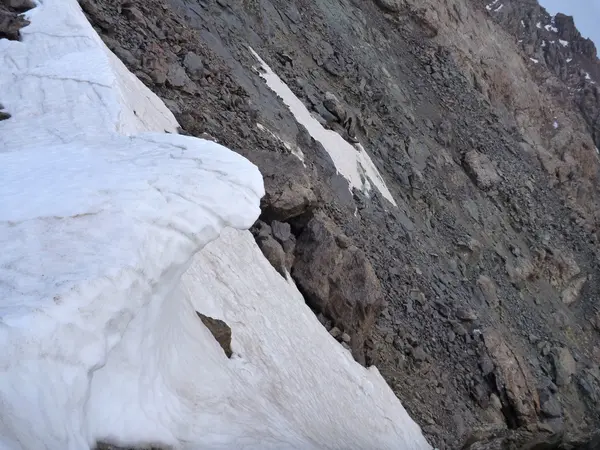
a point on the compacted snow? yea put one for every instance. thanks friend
(113, 235)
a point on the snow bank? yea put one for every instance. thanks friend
(110, 236)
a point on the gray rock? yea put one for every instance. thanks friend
(564, 366)
(335, 332)
(176, 75)
(21, 6)
(486, 290)
(466, 314)
(419, 354)
(193, 63)
(282, 231)
(480, 168)
(346, 338)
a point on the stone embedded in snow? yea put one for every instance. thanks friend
(220, 330)
(337, 278)
(100, 336)
(350, 161)
(481, 169)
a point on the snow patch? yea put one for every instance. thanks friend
(563, 43)
(352, 162)
(522, 24)
(108, 250)
(499, 8)
(549, 27)
(555, 124)
(538, 25)
(543, 44)
(569, 60)
(534, 60)
(587, 76)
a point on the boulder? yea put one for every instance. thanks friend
(337, 279)
(564, 366)
(513, 381)
(481, 169)
(274, 253)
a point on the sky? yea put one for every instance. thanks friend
(585, 12)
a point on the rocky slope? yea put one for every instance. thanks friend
(475, 295)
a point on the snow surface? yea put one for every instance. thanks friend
(352, 162)
(110, 242)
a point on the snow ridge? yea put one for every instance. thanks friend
(110, 235)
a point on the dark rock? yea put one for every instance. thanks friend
(389, 5)
(274, 253)
(466, 314)
(220, 330)
(4, 115)
(10, 24)
(20, 6)
(339, 282)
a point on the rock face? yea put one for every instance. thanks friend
(564, 367)
(489, 155)
(337, 279)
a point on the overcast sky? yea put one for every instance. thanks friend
(585, 12)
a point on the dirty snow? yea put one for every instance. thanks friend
(110, 243)
(352, 162)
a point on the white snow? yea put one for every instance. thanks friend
(489, 7)
(569, 60)
(499, 8)
(587, 76)
(109, 231)
(522, 24)
(543, 44)
(555, 124)
(563, 43)
(352, 162)
(549, 27)
(534, 60)
(538, 25)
